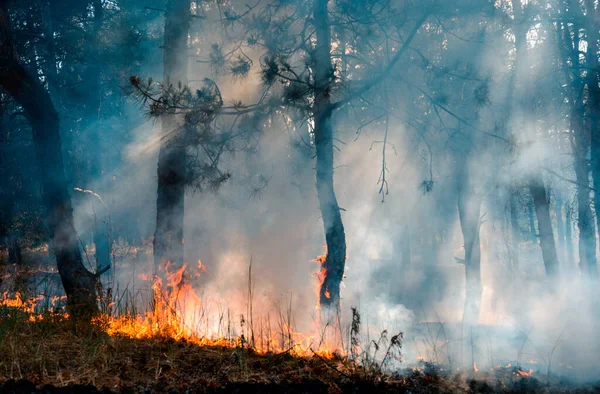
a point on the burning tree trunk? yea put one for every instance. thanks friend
(78, 282)
(469, 209)
(168, 236)
(333, 267)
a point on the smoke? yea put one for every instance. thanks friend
(263, 227)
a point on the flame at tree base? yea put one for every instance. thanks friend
(177, 313)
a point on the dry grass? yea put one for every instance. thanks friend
(57, 352)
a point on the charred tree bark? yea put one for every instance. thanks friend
(78, 282)
(168, 236)
(469, 210)
(333, 267)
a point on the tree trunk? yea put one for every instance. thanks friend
(78, 282)
(101, 231)
(168, 236)
(569, 236)
(469, 209)
(542, 210)
(560, 223)
(515, 230)
(333, 267)
(593, 81)
(530, 211)
(539, 200)
(585, 218)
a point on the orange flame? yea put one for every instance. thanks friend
(178, 313)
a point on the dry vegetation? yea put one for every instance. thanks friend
(56, 352)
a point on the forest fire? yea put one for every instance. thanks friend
(137, 139)
(177, 313)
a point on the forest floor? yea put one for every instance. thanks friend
(55, 356)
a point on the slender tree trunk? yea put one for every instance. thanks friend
(78, 282)
(542, 209)
(530, 211)
(101, 230)
(560, 223)
(585, 218)
(333, 267)
(514, 227)
(168, 237)
(469, 210)
(539, 200)
(569, 236)
(593, 82)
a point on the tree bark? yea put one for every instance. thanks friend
(78, 282)
(542, 210)
(168, 236)
(333, 267)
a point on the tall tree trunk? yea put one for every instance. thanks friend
(535, 178)
(585, 218)
(593, 82)
(542, 209)
(569, 236)
(168, 237)
(560, 223)
(78, 282)
(531, 215)
(469, 210)
(568, 44)
(515, 230)
(101, 231)
(333, 267)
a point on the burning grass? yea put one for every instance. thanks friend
(52, 350)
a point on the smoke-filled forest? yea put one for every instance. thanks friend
(287, 196)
